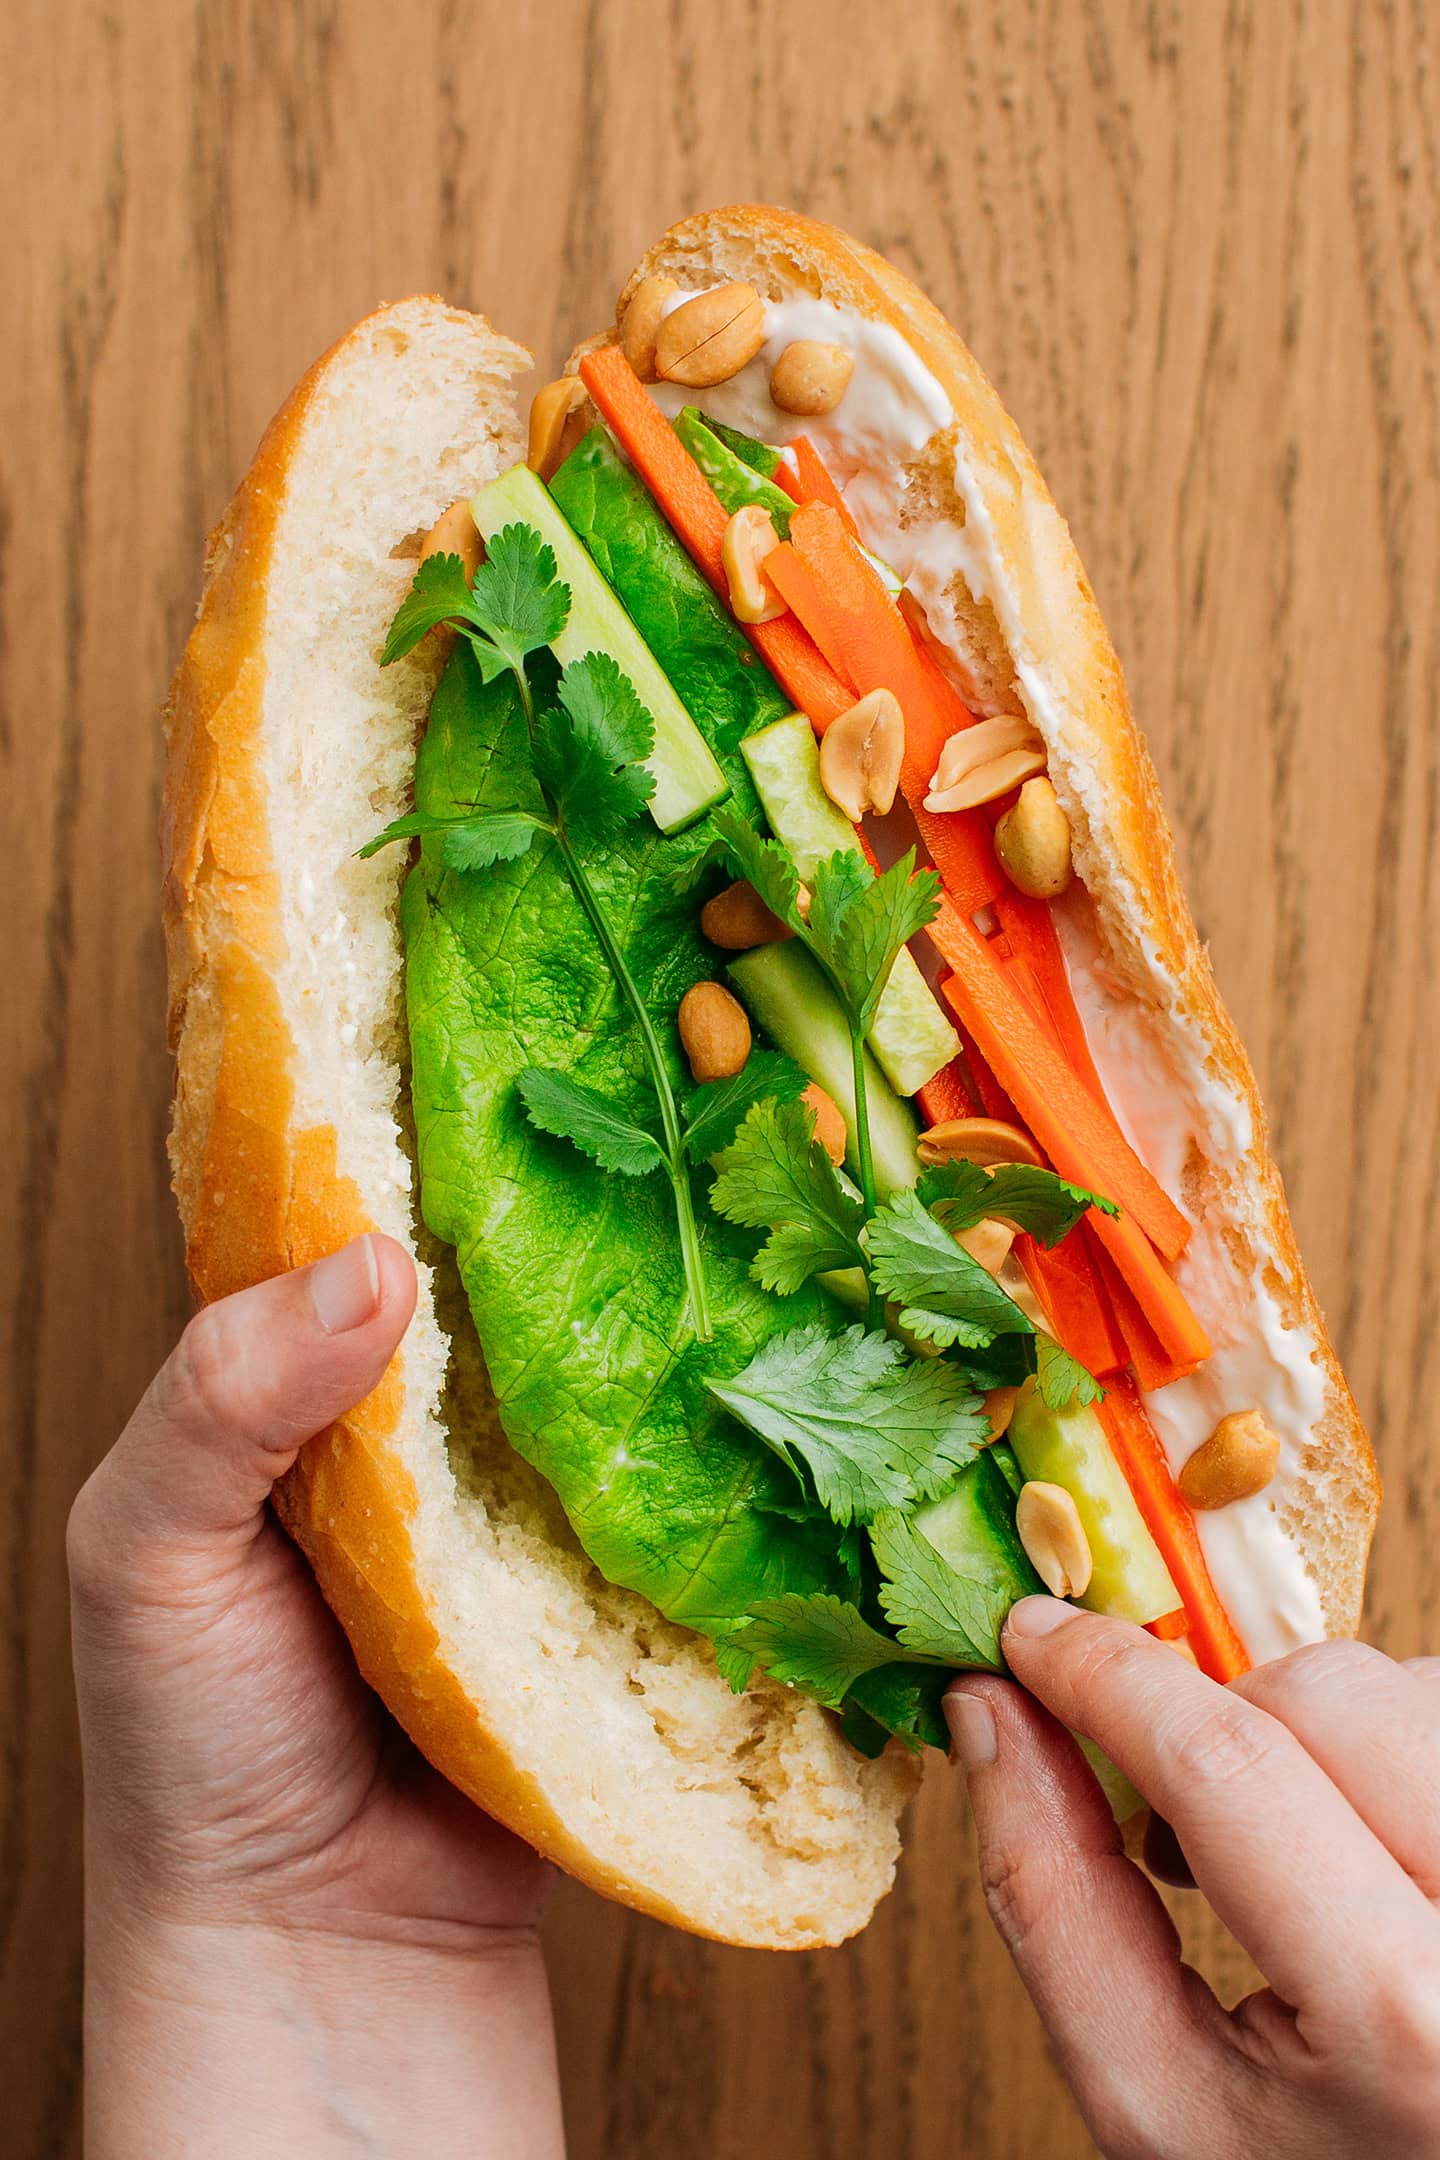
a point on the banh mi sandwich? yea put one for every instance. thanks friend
(690, 874)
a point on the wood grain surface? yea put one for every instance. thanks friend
(1197, 245)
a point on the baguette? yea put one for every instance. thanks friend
(568, 1708)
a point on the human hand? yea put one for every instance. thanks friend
(1302, 1797)
(281, 1893)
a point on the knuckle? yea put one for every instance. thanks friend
(89, 1548)
(1314, 1668)
(1222, 1747)
(1016, 1894)
(1404, 2021)
(200, 1384)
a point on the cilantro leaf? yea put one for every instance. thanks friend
(874, 1428)
(859, 922)
(1060, 1378)
(945, 1295)
(1036, 1200)
(775, 1176)
(439, 592)
(471, 841)
(931, 1607)
(517, 600)
(765, 864)
(817, 1643)
(692, 869)
(714, 1111)
(903, 1700)
(736, 1663)
(569, 1110)
(589, 747)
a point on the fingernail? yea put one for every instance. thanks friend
(1038, 1615)
(345, 1287)
(973, 1738)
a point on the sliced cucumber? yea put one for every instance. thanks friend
(911, 1037)
(790, 998)
(973, 1528)
(734, 479)
(1069, 1448)
(687, 777)
(763, 456)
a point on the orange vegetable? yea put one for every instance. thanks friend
(1169, 1626)
(698, 517)
(857, 626)
(1080, 1319)
(812, 483)
(1079, 1135)
(1137, 1448)
(1030, 927)
(949, 1095)
(1155, 1364)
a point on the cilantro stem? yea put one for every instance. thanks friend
(675, 1161)
(874, 1309)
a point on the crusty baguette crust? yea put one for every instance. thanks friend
(260, 1190)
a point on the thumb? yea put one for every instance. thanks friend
(252, 1378)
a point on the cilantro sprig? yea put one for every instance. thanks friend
(587, 778)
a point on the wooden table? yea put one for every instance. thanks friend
(1198, 248)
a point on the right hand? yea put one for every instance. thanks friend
(1303, 1798)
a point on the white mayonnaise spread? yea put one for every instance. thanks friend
(1161, 1086)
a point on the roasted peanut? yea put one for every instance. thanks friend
(454, 533)
(1000, 1408)
(738, 918)
(714, 1032)
(811, 377)
(1054, 1537)
(551, 412)
(983, 1140)
(1238, 1459)
(829, 1122)
(987, 1241)
(860, 754)
(749, 537)
(1032, 842)
(981, 763)
(641, 323)
(710, 338)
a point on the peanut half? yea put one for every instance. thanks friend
(1238, 1460)
(984, 1140)
(454, 533)
(738, 919)
(988, 1241)
(811, 377)
(552, 436)
(979, 764)
(710, 338)
(1000, 1408)
(1032, 842)
(860, 754)
(749, 538)
(714, 1032)
(829, 1122)
(640, 324)
(1054, 1538)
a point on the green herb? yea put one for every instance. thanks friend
(874, 1428)
(931, 1608)
(945, 1296)
(961, 1194)
(818, 1643)
(569, 1110)
(469, 840)
(775, 1176)
(714, 1111)
(1061, 1378)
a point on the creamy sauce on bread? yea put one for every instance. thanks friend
(1165, 1094)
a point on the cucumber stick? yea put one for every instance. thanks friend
(911, 1037)
(1069, 1448)
(789, 996)
(973, 1528)
(735, 480)
(687, 777)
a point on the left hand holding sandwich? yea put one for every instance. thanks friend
(1302, 1797)
(300, 1938)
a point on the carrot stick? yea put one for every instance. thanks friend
(1217, 1647)
(1030, 927)
(1076, 1307)
(1080, 1137)
(1169, 1626)
(1155, 1364)
(698, 516)
(810, 482)
(949, 1095)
